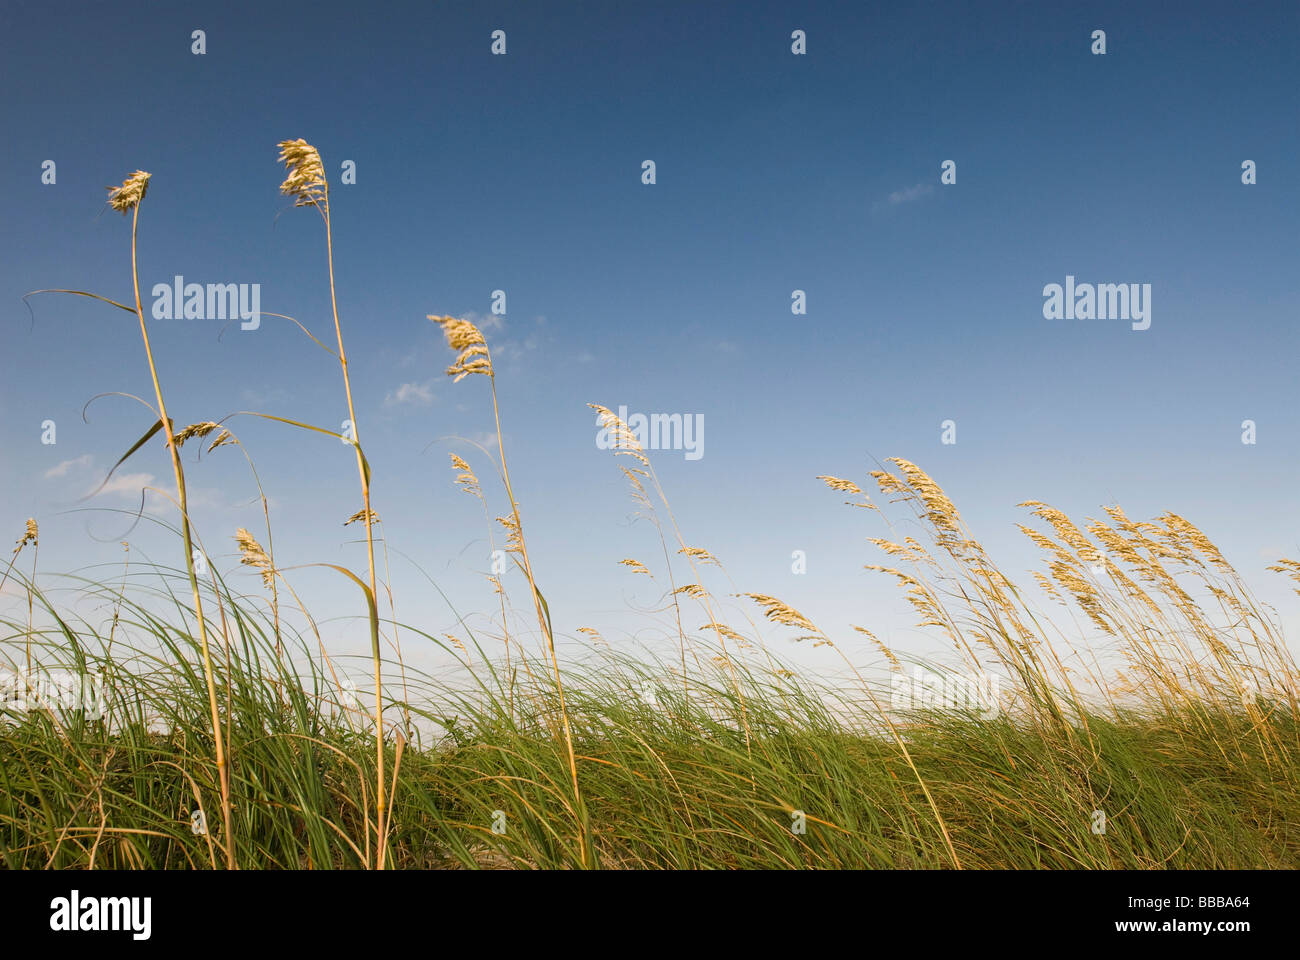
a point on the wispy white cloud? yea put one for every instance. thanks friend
(410, 394)
(906, 195)
(515, 350)
(126, 484)
(85, 460)
(487, 321)
(205, 498)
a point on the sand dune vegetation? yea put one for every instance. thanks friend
(223, 736)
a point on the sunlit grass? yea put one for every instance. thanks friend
(1176, 746)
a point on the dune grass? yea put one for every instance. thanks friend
(669, 777)
(1158, 729)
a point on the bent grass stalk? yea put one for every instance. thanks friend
(307, 184)
(468, 482)
(226, 438)
(31, 534)
(475, 358)
(124, 198)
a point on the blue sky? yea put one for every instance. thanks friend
(775, 172)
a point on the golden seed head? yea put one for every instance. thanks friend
(223, 438)
(692, 590)
(779, 612)
(195, 430)
(30, 535)
(843, 486)
(639, 493)
(456, 642)
(637, 567)
(254, 555)
(514, 533)
(596, 638)
(700, 554)
(369, 516)
(130, 193)
(889, 654)
(722, 630)
(466, 479)
(306, 180)
(622, 438)
(468, 339)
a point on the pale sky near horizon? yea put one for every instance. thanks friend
(775, 172)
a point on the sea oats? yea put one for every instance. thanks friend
(940, 511)
(30, 535)
(456, 642)
(361, 515)
(306, 174)
(639, 493)
(843, 486)
(1198, 539)
(463, 336)
(514, 533)
(1085, 595)
(1289, 567)
(1047, 587)
(596, 638)
(223, 438)
(889, 654)
(466, 479)
(887, 482)
(199, 430)
(995, 577)
(1113, 541)
(623, 439)
(700, 554)
(254, 556)
(848, 486)
(1039, 539)
(722, 630)
(1065, 529)
(905, 578)
(130, 193)
(692, 590)
(927, 605)
(779, 612)
(889, 547)
(637, 567)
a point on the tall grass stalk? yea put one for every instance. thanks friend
(474, 357)
(129, 197)
(309, 186)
